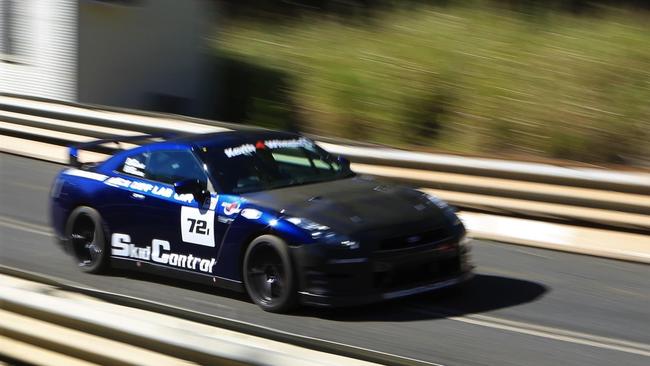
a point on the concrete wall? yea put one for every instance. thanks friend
(133, 53)
(43, 38)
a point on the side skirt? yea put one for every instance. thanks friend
(160, 270)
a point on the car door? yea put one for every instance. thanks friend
(186, 234)
(150, 222)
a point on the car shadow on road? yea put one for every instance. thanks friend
(482, 294)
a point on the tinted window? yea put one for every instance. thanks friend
(272, 163)
(173, 166)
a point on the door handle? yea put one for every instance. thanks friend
(137, 196)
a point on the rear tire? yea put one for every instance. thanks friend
(268, 274)
(87, 239)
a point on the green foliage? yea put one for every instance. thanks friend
(464, 78)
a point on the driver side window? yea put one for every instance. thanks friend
(174, 165)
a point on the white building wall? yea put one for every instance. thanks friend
(44, 40)
(134, 50)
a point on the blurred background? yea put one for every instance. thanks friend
(564, 82)
(520, 79)
(566, 79)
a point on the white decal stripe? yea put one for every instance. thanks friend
(86, 174)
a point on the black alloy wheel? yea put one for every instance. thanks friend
(87, 240)
(268, 274)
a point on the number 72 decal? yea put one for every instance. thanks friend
(197, 226)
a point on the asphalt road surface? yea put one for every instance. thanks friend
(525, 307)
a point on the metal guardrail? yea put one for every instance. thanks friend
(532, 172)
(150, 122)
(186, 351)
(603, 197)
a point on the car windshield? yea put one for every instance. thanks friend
(272, 163)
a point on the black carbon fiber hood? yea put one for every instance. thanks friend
(354, 205)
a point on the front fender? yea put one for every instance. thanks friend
(253, 221)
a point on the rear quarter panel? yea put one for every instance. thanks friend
(72, 188)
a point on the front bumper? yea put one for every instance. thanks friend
(345, 279)
(355, 300)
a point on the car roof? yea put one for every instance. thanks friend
(207, 140)
(229, 138)
(217, 139)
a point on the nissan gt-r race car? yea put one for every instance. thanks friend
(269, 213)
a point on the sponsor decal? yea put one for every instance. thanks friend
(247, 149)
(133, 166)
(230, 208)
(162, 191)
(86, 174)
(186, 197)
(278, 144)
(158, 252)
(118, 182)
(145, 187)
(197, 226)
(134, 163)
(251, 213)
(141, 186)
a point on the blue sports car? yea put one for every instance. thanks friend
(265, 212)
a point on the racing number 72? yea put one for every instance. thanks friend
(198, 226)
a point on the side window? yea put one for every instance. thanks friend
(136, 165)
(173, 166)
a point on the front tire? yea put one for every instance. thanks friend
(87, 239)
(268, 274)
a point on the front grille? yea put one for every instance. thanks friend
(413, 275)
(413, 240)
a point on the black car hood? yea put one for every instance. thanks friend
(353, 205)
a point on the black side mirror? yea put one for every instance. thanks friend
(194, 187)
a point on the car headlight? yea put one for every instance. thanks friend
(323, 233)
(437, 201)
(449, 211)
(307, 224)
